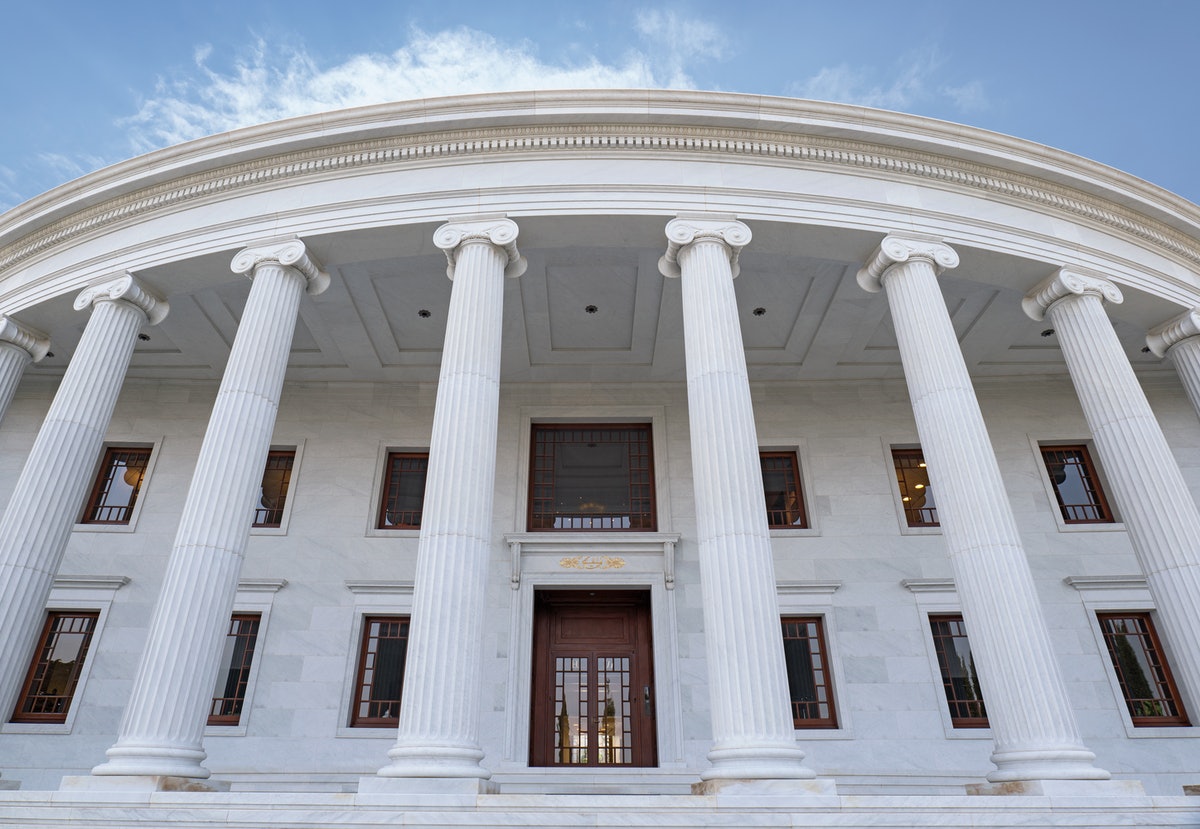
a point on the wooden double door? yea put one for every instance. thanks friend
(593, 679)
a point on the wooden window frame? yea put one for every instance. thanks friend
(913, 516)
(821, 674)
(108, 467)
(272, 517)
(648, 519)
(362, 684)
(777, 518)
(1168, 696)
(391, 478)
(228, 710)
(1091, 480)
(40, 665)
(953, 702)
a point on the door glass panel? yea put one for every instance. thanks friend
(614, 729)
(571, 711)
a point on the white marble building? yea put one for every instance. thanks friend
(760, 461)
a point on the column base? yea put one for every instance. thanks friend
(1067, 764)
(1062, 788)
(131, 760)
(140, 783)
(773, 761)
(435, 762)
(766, 788)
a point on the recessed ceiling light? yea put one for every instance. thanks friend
(591, 309)
(144, 337)
(1048, 332)
(759, 311)
(424, 313)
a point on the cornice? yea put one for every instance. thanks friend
(428, 147)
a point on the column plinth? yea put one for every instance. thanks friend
(753, 734)
(54, 482)
(1032, 724)
(1150, 493)
(20, 345)
(163, 728)
(437, 737)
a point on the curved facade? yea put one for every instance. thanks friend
(753, 445)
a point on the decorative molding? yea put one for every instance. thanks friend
(261, 585)
(113, 583)
(601, 546)
(895, 250)
(23, 337)
(127, 288)
(495, 230)
(806, 588)
(1133, 581)
(290, 253)
(1161, 338)
(1064, 283)
(688, 229)
(928, 585)
(592, 562)
(990, 181)
(404, 587)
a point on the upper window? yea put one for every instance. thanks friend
(809, 683)
(912, 477)
(403, 491)
(1142, 670)
(236, 658)
(781, 486)
(118, 483)
(594, 477)
(272, 495)
(380, 676)
(50, 684)
(1076, 485)
(963, 693)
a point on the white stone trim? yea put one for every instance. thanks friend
(297, 447)
(1036, 442)
(253, 596)
(155, 447)
(371, 598)
(91, 593)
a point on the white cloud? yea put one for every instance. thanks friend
(274, 81)
(913, 83)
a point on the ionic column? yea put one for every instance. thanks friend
(753, 734)
(439, 716)
(1147, 486)
(1179, 340)
(163, 727)
(20, 345)
(1033, 726)
(50, 491)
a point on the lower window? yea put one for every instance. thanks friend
(230, 693)
(57, 663)
(1142, 670)
(380, 676)
(961, 683)
(809, 683)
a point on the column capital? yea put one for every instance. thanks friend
(1065, 283)
(127, 288)
(1162, 337)
(495, 230)
(894, 250)
(24, 337)
(290, 253)
(686, 230)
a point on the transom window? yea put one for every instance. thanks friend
(809, 683)
(591, 477)
(963, 692)
(118, 483)
(272, 495)
(50, 684)
(912, 477)
(1076, 485)
(1142, 670)
(781, 486)
(230, 693)
(380, 675)
(403, 498)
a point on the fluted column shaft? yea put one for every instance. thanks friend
(1149, 490)
(19, 346)
(163, 727)
(753, 734)
(1033, 725)
(439, 715)
(50, 491)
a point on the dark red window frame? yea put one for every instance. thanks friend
(227, 704)
(130, 463)
(1142, 670)
(50, 685)
(1073, 462)
(964, 695)
(402, 467)
(785, 504)
(379, 680)
(912, 477)
(273, 493)
(810, 681)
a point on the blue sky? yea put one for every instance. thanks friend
(85, 84)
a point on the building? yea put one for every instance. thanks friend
(759, 455)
